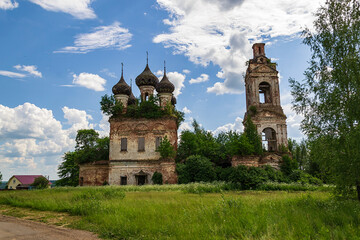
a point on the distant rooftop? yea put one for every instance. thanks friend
(27, 179)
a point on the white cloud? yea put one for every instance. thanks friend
(184, 126)
(104, 126)
(112, 36)
(12, 74)
(203, 78)
(90, 81)
(226, 30)
(186, 71)
(31, 69)
(293, 122)
(27, 121)
(8, 4)
(79, 9)
(236, 126)
(78, 119)
(108, 73)
(31, 137)
(186, 110)
(175, 78)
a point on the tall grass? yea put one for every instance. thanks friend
(171, 212)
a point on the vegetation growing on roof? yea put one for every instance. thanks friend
(149, 109)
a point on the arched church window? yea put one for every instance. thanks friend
(269, 139)
(264, 92)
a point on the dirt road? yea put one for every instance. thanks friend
(12, 228)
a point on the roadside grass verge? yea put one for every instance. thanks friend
(171, 212)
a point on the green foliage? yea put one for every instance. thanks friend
(329, 98)
(283, 148)
(300, 153)
(274, 175)
(291, 145)
(180, 117)
(253, 136)
(141, 109)
(248, 177)
(0, 176)
(89, 148)
(68, 170)
(237, 144)
(86, 138)
(40, 183)
(157, 178)
(219, 149)
(304, 178)
(110, 106)
(165, 149)
(338, 159)
(196, 169)
(199, 142)
(288, 165)
(147, 109)
(223, 173)
(252, 110)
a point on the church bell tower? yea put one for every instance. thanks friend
(263, 99)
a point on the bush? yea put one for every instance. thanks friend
(110, 106)
(238, 144)
(223, 173)
(157, 178)
(40, 183)
(288, 165)
(274, 175)
(283, 148)
(304, 178)
(248, 178)
(196, 169)
(183, 175)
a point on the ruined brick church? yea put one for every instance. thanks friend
(264, 108)
(133, 141)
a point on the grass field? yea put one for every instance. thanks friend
(171, 212)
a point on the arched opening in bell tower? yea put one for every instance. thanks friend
(269, 139)
(264, 92)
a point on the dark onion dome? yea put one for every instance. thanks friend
(132, 99)
(173, 100)
(121, 87)
(146, 78)
(165, 86)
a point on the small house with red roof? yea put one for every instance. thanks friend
(22, 181)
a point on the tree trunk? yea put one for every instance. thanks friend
(358, 191)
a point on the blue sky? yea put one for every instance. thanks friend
(58, 57)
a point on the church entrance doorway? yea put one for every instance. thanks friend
(141, 178)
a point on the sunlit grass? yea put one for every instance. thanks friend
(170, 212)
